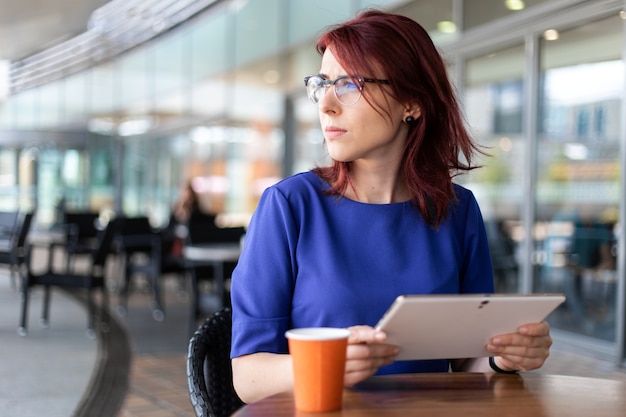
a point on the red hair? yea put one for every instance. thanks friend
(400, 50)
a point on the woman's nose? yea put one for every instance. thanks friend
(327, 100)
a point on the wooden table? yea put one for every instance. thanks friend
(466, 395)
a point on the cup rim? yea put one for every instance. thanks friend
(317, 333)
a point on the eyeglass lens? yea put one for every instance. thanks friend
(346, 90)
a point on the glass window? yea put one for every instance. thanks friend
(104, 91)
(8, 178)
(24, 108)
(134, 75)
(211, 53)
(50, 104)
(257, 29)
(76, 99)
(434, 15)
(171, 66)
(210, 44)
(493, 106)
(578, 174)
(307, 19)
(479, 12)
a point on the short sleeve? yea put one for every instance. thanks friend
(262, 282)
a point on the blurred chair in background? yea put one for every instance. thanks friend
(211, 254)
(81, 231)
(92, 279)
(141, 250)
(13, 241)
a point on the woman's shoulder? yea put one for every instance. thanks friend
(462, 194)
(299, 184)
(465, 200)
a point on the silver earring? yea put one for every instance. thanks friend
(409, 120)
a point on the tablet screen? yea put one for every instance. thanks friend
(459, 326)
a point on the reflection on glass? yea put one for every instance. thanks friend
(578, 176)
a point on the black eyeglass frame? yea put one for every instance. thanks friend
(326, 83)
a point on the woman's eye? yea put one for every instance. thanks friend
(348, 86)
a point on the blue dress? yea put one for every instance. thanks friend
(313, 259)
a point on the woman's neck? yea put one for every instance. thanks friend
(381, 185)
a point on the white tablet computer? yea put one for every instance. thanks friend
(459, 326)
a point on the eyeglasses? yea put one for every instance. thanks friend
(347, 89)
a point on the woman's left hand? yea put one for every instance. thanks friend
(525, 350)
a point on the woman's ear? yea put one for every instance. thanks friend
(414, 111)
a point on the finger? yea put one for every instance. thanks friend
(371, 350)
(368, 364)
(529, 329)
(521, 351)
(519, 340)
(522, 358)
(522, 363)
(367, 357)
(535, 329)
(365, 334)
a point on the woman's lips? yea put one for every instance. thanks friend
(333, 132)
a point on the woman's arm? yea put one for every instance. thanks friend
(260, 375)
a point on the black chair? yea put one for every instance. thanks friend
(203, 230)
(8, 231)
(172, 260)
(141, 250)
(94, 278)
(81, 232)
(13, 248)
(209, 370)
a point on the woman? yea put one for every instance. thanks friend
(335, 246)
(187, 204)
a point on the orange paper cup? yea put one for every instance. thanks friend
(319, 362)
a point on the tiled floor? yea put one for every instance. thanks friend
(44, 373)
(158, 387)
(158, 379)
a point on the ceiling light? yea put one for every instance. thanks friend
(506, 144)
(446, 26)
(102, 125)
(576, 151)
(123, 126)
(136, 126)
(514, 5)
(551, 35)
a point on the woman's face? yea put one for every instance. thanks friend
(360, 132)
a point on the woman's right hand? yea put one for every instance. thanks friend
(366, 353)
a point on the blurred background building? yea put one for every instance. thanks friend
(113, 106)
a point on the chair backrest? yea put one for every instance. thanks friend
(129, 226)
(81, 225)
(202, 229)
(8, 220)
(209, 371)
(105, 240)
(26, 220)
